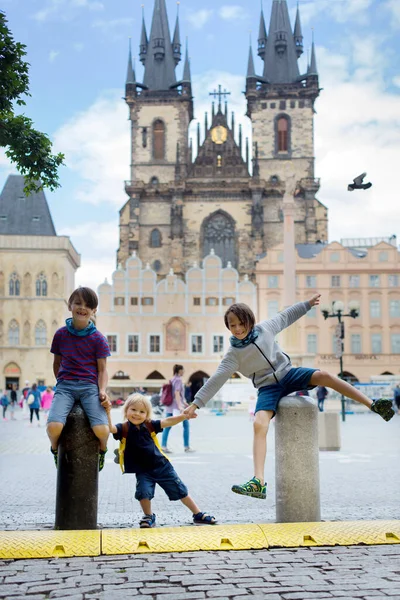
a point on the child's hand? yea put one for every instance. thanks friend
(106, 404)
(190, 412)
(314, 301)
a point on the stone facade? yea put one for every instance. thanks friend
(370, 276)
(152, 325)
(36, 278)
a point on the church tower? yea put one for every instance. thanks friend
(160, 111)
(280, 104)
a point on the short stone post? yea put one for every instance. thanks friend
(296, 461)
(77, 474)
(329, 431)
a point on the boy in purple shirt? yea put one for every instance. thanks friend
(80, 356)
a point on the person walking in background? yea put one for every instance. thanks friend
(178, 405)
(4, 402)
(24, 397)
(13, 400)
(47, 399)
(34, 403)
(396, 394)
(322, 393)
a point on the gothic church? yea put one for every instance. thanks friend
(180, 207)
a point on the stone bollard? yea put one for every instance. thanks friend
(296, 461)
(329, 431)
(77, 473)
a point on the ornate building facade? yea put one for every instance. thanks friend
(152, 325)
(180, 207)
(37, 273)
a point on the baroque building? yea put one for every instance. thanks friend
(181, 207)
(37, 273)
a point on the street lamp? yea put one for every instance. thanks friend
(336, 310)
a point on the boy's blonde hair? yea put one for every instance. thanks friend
(138, 399)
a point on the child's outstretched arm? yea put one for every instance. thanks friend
(226, 369)
(290, 315)
(107, 405)
(171, 421)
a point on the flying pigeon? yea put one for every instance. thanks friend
(358, 184)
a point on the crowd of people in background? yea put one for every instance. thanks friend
(31, 401)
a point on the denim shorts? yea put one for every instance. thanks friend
(298, 378)
(166, 477)
(67, 393)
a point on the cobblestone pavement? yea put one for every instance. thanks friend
(362, 481)
(357, 573)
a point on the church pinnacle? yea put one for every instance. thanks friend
(160, 57)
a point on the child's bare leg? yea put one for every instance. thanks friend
(328, 380)
(261, 424)
(146, 506)
(54, 431)
(102, 432)
(191, 504)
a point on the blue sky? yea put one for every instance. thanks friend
(78, 55)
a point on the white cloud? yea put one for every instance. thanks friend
(357, 129)
(96, 146)
(340, 10)
(93, 272)
(396, 81)
(199, 18)
(65, 9)
(394, 7)
(232, 12)
(53, 55)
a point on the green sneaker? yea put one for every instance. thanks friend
(102, 458)
(253, 488)
(55, 455)
(383, 408)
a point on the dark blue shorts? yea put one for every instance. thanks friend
(166, 477)
(297, 379)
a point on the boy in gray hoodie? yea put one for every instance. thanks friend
(255, 353)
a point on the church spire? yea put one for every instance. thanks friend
(130, 75)
(298, 35)
(262, 36)
(312, 69)
(280, 62)
(176, 42)
(251, 72)
(144, 42)
(159, 71)
(187, 77)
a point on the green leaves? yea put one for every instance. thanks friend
(27, 148)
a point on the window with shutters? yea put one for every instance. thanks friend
(158, 140)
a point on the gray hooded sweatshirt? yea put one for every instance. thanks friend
(262, 361)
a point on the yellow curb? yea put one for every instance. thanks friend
(50, 544)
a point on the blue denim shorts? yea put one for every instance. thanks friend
(67, 393)
(166, 477)
(298, 378)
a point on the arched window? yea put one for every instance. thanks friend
(13, 333)
(157, 266)
(283, 135)
(40, 333)
(154, 181)
(158, 140)
(14, 285)
(155, 239)
(41, 285)
(218, 234)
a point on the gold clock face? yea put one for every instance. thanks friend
(219, 134)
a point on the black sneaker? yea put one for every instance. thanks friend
(147, 521)
(383, 408)
(55, 455)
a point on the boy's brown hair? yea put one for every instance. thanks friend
(87, 295)
(243, 313)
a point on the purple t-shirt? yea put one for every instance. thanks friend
(177, 386)
(79, 354)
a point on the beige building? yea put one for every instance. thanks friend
(37, 272)
(152, 325)
(363, 270)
